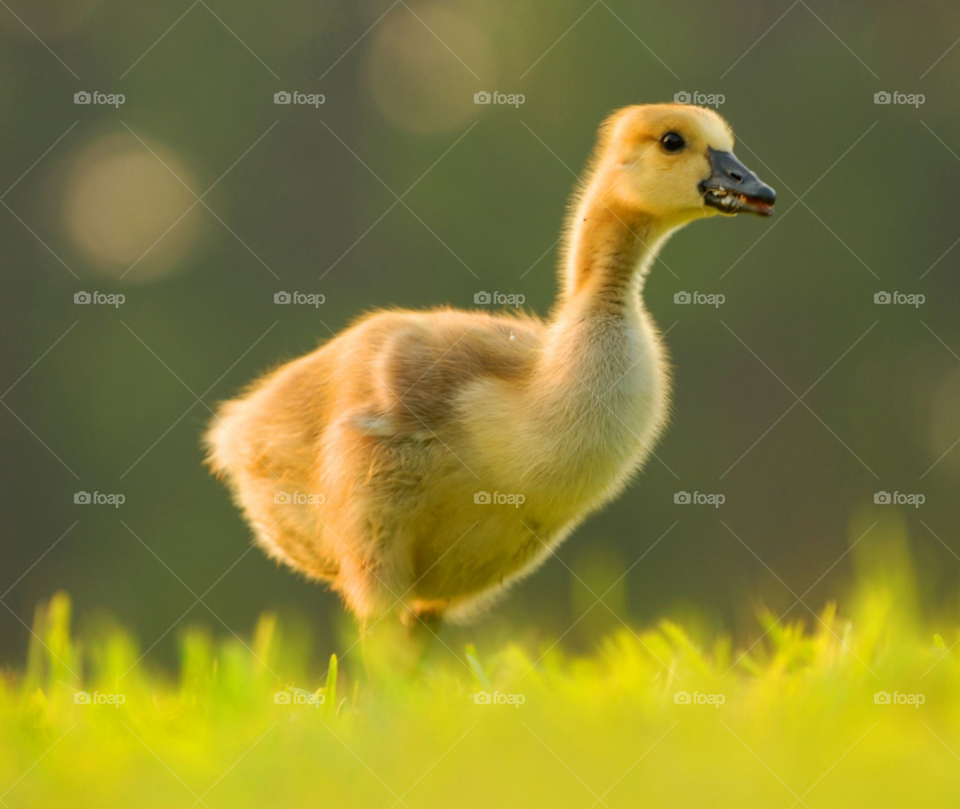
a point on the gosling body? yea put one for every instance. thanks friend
(402, 426)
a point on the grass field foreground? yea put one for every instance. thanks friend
(858, 707)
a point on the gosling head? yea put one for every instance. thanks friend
(675, 163)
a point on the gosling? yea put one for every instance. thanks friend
(422, 462)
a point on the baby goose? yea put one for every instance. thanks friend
(368, 462)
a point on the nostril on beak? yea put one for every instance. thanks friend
(736, 177)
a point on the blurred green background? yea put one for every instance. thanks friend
(110, 408)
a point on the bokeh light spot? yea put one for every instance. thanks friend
(120, 202)
(416, 82)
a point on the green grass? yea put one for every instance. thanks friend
(798, 718)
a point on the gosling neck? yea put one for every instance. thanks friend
(611, 251)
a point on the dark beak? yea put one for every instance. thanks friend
(733, 188)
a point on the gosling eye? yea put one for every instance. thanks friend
(672, 142)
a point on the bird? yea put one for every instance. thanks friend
(422, 462)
